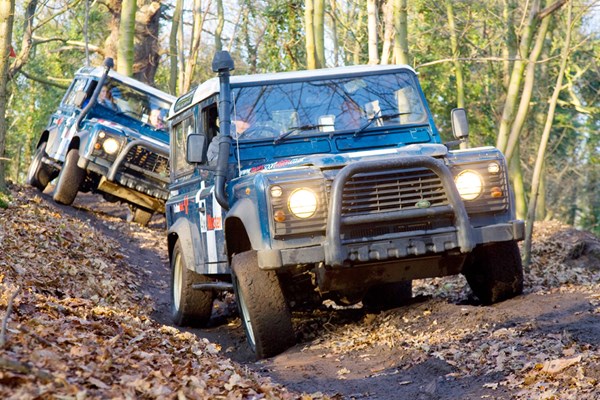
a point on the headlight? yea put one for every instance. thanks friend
(111, 146)
(469, 184)
(303, 203)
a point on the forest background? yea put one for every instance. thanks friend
(527, 72)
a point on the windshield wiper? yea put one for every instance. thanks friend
(296, 129)
(377, 116)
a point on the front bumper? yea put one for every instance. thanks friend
(390, 249)
(132, 179)
(335, 252)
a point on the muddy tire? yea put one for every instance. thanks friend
(264, 311)
(39, 174)
(70, 179)
(495, 272)
(140, 216)
(387, 296)
(189, 307)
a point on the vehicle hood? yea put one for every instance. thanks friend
(334, 160)
(147, 134)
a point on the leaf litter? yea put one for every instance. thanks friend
(80, 327)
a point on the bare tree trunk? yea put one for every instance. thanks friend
(220, 25)
(112, 41)
(516, 77)
(539, 162)
(516, 173)
(190, 64)
(319, 32)
(372, 29)
(173, 46)
(388, 18)
(401, 38)
(311, 56)
(147, 49)
(460, 86)
(510, 45)
(527, 92)
(125, 48)
(26, 41)
(7, 12)
(334, 34)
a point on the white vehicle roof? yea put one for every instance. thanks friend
(212, 86)
(98, 71)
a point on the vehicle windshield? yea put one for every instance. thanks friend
(127, 100)
(336, 104)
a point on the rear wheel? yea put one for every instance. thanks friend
(388, 295)
(189, 307)
(70, 179)
(263, 308)
(495, 272)
(39, 174)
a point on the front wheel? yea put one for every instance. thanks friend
(189, 306)
(39, 174)
(495, 272)
(264, 311)
(70, 179)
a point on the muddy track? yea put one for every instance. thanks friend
(441, 346)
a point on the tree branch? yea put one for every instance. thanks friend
(7, 316)
(551, 8)
(45, 81)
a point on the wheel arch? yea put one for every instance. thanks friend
(43, 138)
(182, 231)
(243, 230)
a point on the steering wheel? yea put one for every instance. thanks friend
(260, 131)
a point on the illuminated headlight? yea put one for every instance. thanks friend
(469, 184)
(110, 146)
(303, 203)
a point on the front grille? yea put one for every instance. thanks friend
(147, 162)
(375, 192)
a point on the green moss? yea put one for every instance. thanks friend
(4, 200)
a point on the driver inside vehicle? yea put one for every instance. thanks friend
(106, 99)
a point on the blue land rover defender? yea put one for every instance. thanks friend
(108, 136)
(292, 188)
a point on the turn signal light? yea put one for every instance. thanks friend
(496, 192)
(279, 216)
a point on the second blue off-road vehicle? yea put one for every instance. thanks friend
(107, 136)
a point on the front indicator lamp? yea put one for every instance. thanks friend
(303, 203)
(279, 216)
(469, 184)
(110, 146)
(496, 192)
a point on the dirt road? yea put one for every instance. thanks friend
(543, 344)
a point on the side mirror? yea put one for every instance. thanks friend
(460, 125)
(195, 150)
(79, 98)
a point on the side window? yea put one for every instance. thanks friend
(77, 86)
(179, 134)
(211, 128)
